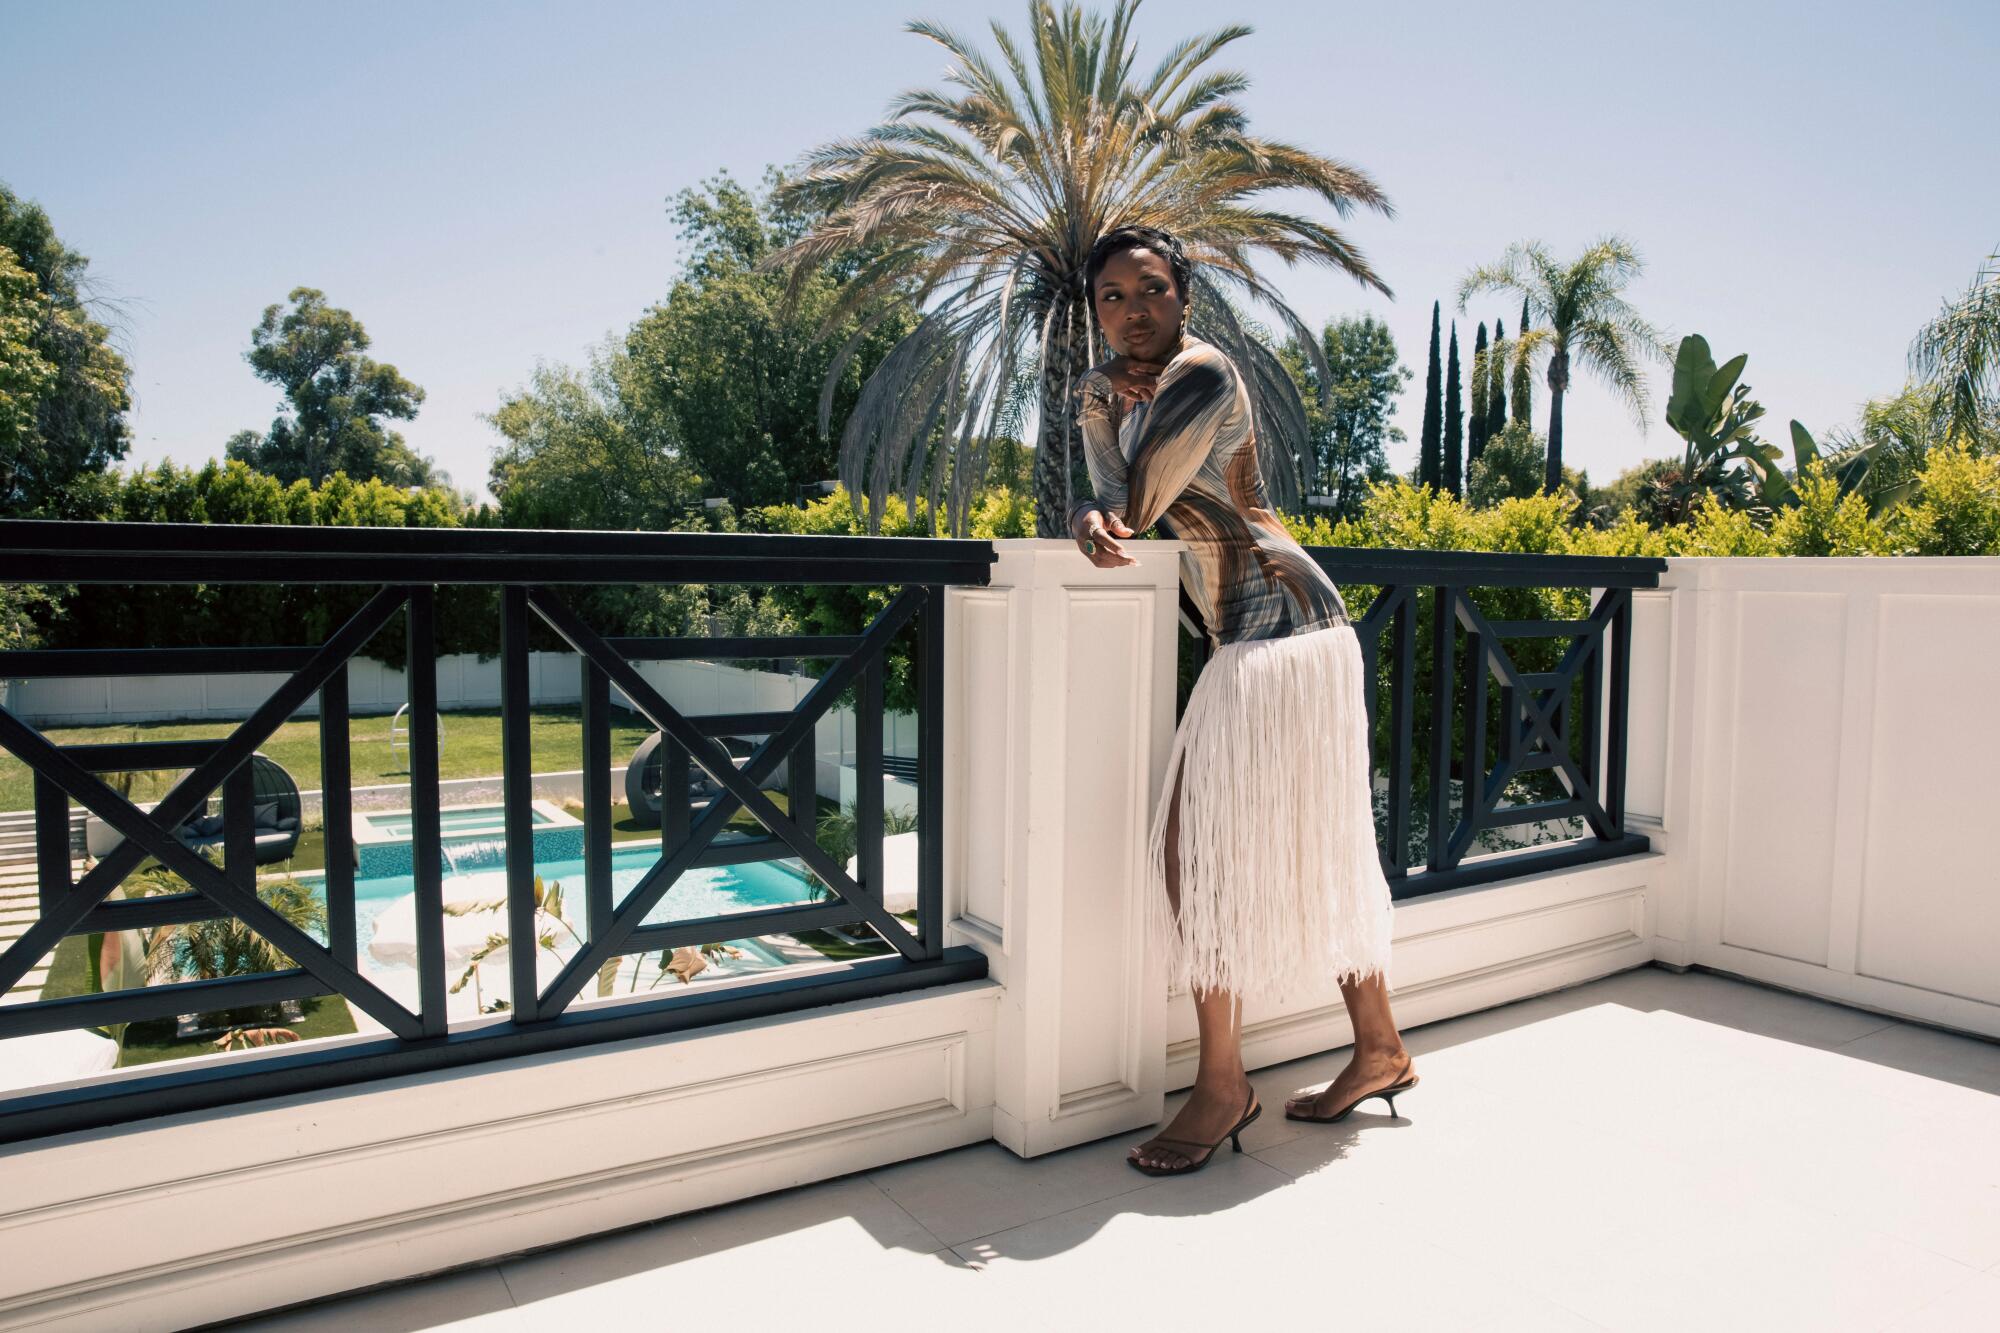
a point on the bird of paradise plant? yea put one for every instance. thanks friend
(683, 963)
(549, 908)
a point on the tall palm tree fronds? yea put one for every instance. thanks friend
(980, 202)
(1959, 352)
(1578, 309)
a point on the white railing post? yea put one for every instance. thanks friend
(1059, 716)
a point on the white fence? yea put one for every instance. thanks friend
(463, 682)
(1825, 734)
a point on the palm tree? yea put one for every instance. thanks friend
(223, 946)
(1959, 353)
(980, 204)
(1577, 308)
(1902, 429)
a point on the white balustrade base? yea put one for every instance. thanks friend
(1768, 698)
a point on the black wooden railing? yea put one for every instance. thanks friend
(1499, 704)
(1442, 634)
(407, 566)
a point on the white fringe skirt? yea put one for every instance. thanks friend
(1281, 887)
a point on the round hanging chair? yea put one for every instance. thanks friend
(275, 814)
(278, 833)
(642, 783)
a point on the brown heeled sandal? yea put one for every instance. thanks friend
(1387, 1094)
(1194, 1163)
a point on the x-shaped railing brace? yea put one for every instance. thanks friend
(1541, 719)
(739, 786)
(154, 833)
(1385, 605)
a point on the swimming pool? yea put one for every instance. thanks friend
(460, 819)
(387, 957)
(713, 891)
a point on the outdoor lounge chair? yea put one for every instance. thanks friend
(642, 780)
(276, 811)
(275, 814)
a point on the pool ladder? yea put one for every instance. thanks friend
(398, 727)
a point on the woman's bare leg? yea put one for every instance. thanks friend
(1221, 1089)
(1379, 1060)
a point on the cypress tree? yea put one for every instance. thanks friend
(1427, 457)
(1475, 435)
(1496, 383)
(1524, 398)
(1454, 422)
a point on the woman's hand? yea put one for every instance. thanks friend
(1097, 537)
(1133, 380)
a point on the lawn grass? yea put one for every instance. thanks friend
(468, 747)
(150, 1043)
(69, 969)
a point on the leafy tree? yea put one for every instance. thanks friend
(63, 395)
(1523, 408)
(64, 391)
(736, 378)
(1454, 423)
(1582, 305)
(1905, 427)
(1431, 442)
(1645, 488)
(1350, 432)
(1475, 433)
(1510, 466)
(1959, 352)
(1496, 384)
(837, 609)
(1010, 465)
(1955, 508)
(987, 199)
(579, 452)
(338, 400)
(169, 616)
(24, 608)
(26, 376)
(1827, 516)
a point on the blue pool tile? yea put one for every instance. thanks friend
(386, 860)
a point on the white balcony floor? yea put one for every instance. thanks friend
(1648, 1151)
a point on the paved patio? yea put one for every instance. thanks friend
(1648, 1151)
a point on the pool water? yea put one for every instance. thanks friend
(702, 892)
(461, 819)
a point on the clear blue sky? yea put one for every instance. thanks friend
(485, 184)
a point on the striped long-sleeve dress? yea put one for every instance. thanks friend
(1281, 889)
(1188, 462)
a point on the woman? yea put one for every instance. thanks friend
(1264, 839)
